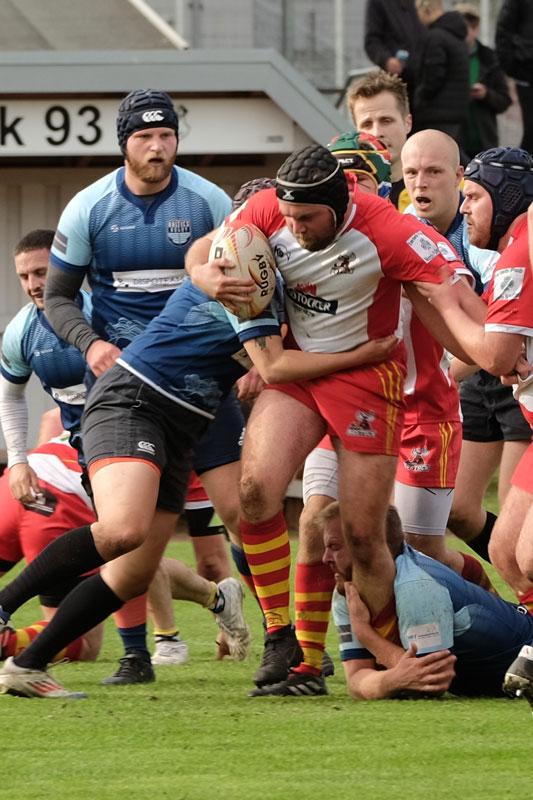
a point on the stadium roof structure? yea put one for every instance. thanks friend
(216, 73)
(75, 25)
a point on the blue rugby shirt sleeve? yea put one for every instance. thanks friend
(350, 648)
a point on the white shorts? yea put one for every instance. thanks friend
(320, 474)
(422, 510)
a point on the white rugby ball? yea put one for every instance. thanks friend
(248, 248)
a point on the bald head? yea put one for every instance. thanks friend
(437, 144)
(432, 174)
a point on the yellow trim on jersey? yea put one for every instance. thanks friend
(446, 434)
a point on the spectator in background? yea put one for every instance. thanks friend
(489, 94)
(514, 46)
(393, 37)
(442, 92)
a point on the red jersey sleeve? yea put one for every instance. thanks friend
(261, 210)
(510, 292)
(409, 249)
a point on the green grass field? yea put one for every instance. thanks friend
(195, 734)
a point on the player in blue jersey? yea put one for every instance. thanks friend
(30, 346)
(142, 421)
(128, 234)
(439, 632)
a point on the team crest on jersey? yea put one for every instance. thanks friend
(305, 297)
(416, 463)
(344, 264)
(423, 246)
(362, 425)
(179, 230)
(508, 283)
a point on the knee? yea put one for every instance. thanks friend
(311, 543)
(114, 540)
(213, 566)
(256, 505)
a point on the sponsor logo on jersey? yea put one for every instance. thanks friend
(281, 253)
(310, 302)
(60, 242)
(146, 447)
(508, 283)
(148, 280)
(343, 264)
(416, 462)
(423, 246)
(446, 251)
(179, 230)
(118, 228)
(362, 425)
(72, 395)
(153, 116)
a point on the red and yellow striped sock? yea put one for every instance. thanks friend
(268, 553)
(474, 572)
(314, 588)
(12, 643)
(526, 599)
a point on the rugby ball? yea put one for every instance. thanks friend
(248, 248)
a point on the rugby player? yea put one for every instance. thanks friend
(127, 234)
(343, 265)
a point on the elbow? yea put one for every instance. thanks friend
(499, 365)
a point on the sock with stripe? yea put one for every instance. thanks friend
(473, 571)
(267, 548)
(239, 559)
(70, 555)
(12, 643)
(314, 586)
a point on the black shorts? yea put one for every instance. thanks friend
(490, 412)
(199, 522)
(221, 443)
(126, 417)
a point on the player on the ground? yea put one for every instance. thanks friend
(438, 632)
(127, 234)
(498, 190)
(58, 503)
(342, 265)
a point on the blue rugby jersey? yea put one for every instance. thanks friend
(131, 248)
(192, 351)
(30, 345)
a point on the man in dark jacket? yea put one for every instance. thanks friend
(514, 46)
(393, 38)
(489, 93)
(442, 94)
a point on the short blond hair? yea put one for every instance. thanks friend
(376, 82)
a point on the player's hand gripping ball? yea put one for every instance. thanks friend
(249, 250)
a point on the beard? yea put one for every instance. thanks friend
(151, 171)
(314, 243)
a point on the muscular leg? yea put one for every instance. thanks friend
(476, 466)
(365, 487)
(280, 433)
(505, 538)
(511, 454)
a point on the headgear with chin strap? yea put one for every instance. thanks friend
(507, 175)
(312, 175)
(145, 108)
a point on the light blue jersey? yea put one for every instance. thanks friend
(192, 351)
(30, 345)
(132, 248)
(437, 609)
